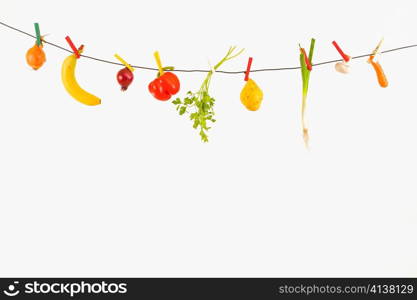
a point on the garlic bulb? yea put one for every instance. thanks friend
(342, 67)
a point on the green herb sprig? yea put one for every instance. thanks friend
(200, 105)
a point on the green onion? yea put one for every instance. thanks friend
(305, 75)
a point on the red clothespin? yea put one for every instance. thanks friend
(346, 58)
(74, 49)
(248, 68)
(308, 64)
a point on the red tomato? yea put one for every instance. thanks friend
(158, 90)
(163, 87)
(172, 84)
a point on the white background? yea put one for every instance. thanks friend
(128, 189)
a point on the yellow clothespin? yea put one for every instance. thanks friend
(124, 62)
(376, 50)
(158, 63)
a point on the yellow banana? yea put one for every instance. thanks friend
(71, 84)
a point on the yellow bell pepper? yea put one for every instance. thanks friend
(251, 95)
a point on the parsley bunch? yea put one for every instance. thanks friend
(199, 105)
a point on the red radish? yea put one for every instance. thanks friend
(125, 78)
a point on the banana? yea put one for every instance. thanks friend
(71, 84)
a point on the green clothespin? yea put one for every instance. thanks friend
(38, 35)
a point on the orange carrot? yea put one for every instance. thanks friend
(382, 79)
